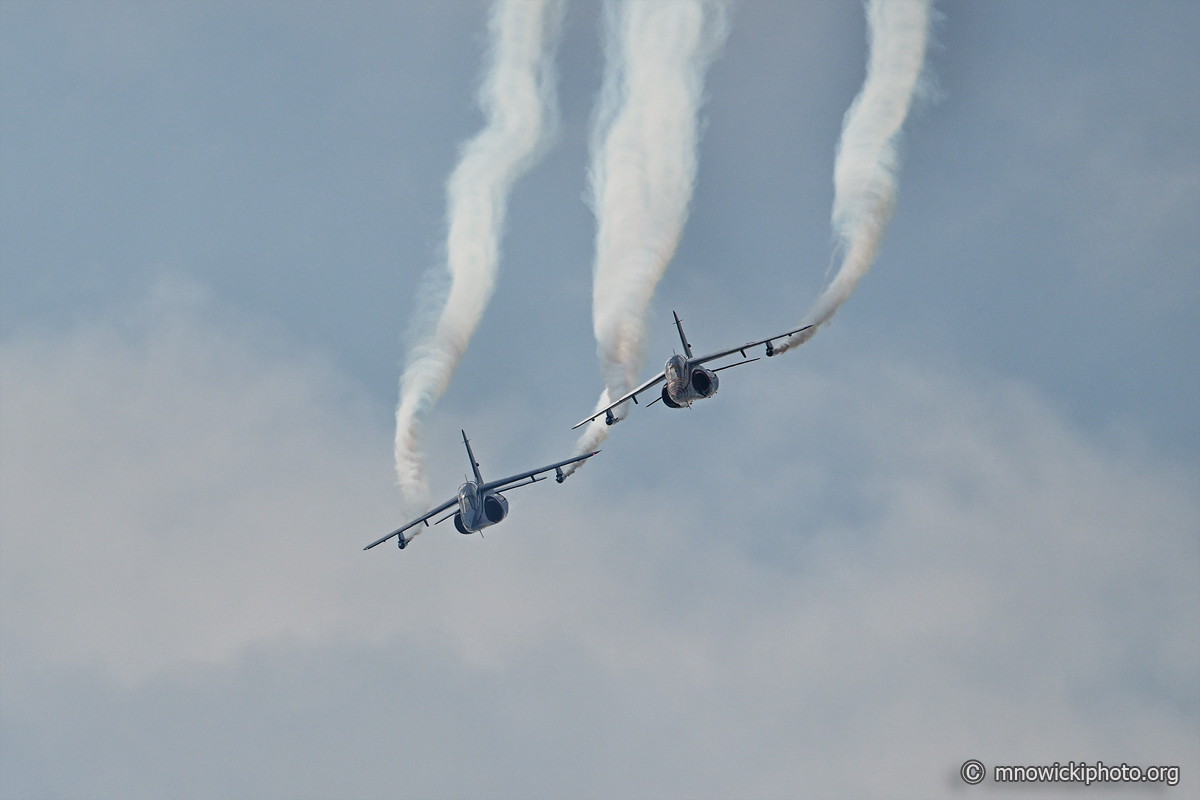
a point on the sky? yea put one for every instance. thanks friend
(963, 521)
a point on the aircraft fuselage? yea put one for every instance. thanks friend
(478, 510)
(686, 383)
(685, 379)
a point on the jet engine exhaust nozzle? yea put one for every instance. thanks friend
(704, 382)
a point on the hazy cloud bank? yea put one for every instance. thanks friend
(913, 571)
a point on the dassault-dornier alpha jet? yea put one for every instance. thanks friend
(480, 504)
(686, 380)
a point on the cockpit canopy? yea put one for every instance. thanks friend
(676, 369)
(467, 496)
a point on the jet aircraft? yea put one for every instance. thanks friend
(686, 379)
(480, 504)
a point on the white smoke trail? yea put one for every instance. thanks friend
(644, 140)
(864, 173)
(517, 98)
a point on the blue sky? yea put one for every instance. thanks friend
(961, 522)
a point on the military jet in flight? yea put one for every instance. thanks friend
(686, 380)
(480, 504)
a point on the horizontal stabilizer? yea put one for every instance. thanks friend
(519, 485)
(736, 364)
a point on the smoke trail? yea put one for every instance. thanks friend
(517, 98)
(643, 168)
(864, 172)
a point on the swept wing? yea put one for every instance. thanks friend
(400, 531)
(503, 483)
(692, 361)
(742, 349)
(653, 381)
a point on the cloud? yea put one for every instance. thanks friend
(914, 570)
(158, 480)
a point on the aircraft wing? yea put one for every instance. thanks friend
(631, 396)
(744, 348)
(400, 531)
(503, 482)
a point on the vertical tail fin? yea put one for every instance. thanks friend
(474, 463)
(687, 348)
